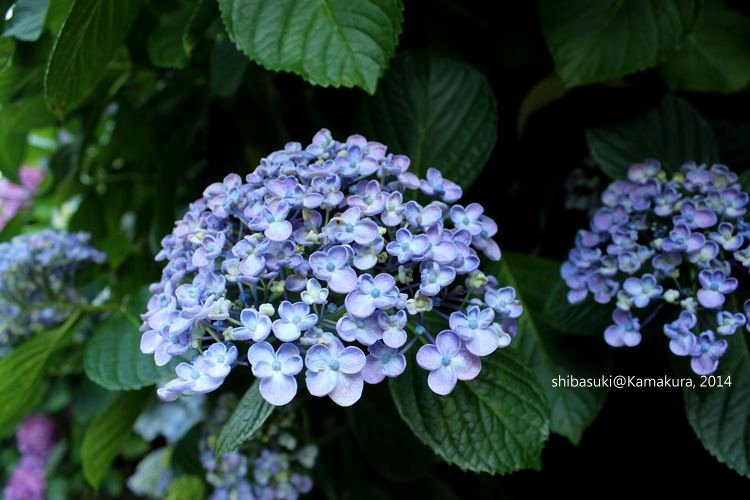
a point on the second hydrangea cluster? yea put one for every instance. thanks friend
(35, 439)
(332, 260)
(679, 241)
(37, 290)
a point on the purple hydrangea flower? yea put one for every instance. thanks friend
(335, 371)
(324, 244)
(436, 185)
(643, 290)
(706, 353)
(448, 361)
(393, 327)
(681, 338)
(381, 362)
(276, 371)
(727, 322)
(205, 374)
(474, 328)
(372, 294)
(333, 267)
(659, 241)
(715, 285)
(408, 247)
(435, 277)
(255, 327)
(625, 331)
(350, 227)
(39, 273)
(366, 331)
(293, 320)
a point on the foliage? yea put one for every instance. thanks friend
(131, 107)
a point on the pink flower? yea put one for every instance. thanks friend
(14, 197)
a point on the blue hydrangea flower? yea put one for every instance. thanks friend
(408, 247)
(371, 294)
(293, 320)
(447, 361)
(276, 370)
(381, 362)
(474, 327)
(279, 467)
(255, 327)
(707, 352)
(676, 241)
(333, 267)
(206, 373)
(335, 371)
(38, 282)
(327, 247)
(625, 331)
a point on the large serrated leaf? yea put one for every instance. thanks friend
(248, 417)
(328, 42)
(673, 133)
(440, 112)
(721, 416)
(716, 54)
(496, 423)
(599, 40)
(550, 354)
(113, 358)
(22, 370)
(88, 40)
(104, 437)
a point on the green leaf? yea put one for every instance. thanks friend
(716, 54)
(248, 417)
(599, 40)
(90, 37)
(380, 431)
(720, 416)
(550, 354)
(16, 120)
(187, 488)
(327, 42)
(496, 423)
(165, 46)
(228, 66)
(203, 14)
(113, 358)
(21, 373)
(186, 456)
(105, 436)
(547, 90)
(27, 22)
(439, 111)
(673, 133)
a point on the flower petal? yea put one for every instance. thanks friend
(442, 381)
(348, 389)
(279, 389)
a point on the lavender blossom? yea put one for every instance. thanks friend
(322, 256)
(649, 242)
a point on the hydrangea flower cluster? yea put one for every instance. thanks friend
(277, 466)
(37, 278)
(14, 197)
(677, 241)
(35, 438)
(324, 262)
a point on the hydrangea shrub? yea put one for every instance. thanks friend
(328, 259)
(659, 240)
(37, 290)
